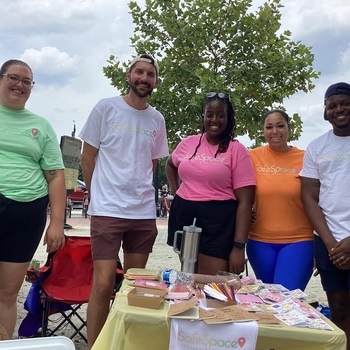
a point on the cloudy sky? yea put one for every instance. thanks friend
(67, 42)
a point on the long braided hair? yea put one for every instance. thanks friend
(228, 134)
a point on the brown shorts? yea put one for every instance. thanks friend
(108, 234)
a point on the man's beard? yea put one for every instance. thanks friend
(146, 93)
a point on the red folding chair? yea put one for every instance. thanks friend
(69, 283)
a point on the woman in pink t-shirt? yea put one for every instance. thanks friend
(212, 178)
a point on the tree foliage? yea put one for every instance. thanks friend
(212, 45)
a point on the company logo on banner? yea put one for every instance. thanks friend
(197, 335)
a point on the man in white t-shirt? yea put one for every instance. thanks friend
(123, 139)
(326, 196)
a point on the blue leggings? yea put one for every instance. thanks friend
(288, 264)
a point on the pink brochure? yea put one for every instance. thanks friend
(247, 298)
(150, 283)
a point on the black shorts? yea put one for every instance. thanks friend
(21, 227)
(332, 278)
(216, 218)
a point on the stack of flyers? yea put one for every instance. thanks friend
(293, 318)
(149, 283)
(179, 292)
(310, 312)
(275, 287)
(250, 307)
(266, 308)
(249, 289)
(296, 318)
(247, 280)
(318, 323)
(271, 297)
(248, 298)
(285, 306)
(295, 294)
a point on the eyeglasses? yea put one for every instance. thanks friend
(222, 95)
(16, 79)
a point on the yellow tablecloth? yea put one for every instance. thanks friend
(135, 328)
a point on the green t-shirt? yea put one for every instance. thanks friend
(28, 145)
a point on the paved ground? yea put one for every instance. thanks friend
(162, 256)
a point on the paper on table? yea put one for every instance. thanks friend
(267, 319)
(190, 314)
(273, 287)
(249, 289)
(178, 295)
(145, 274)
(150, 283)
(213, 293)
(251, 307)
(204, 314)
(231, 314)
(179, 292)
(185, 309)
(248, 298)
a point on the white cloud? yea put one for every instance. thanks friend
(66, 42)
(50, 61)
(345, 60)
(305, 18)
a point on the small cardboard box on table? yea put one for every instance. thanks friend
(146, 297)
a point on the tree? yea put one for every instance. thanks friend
(218, 45)
(80, 173)
(161, 174)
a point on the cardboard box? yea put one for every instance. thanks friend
(146, 297)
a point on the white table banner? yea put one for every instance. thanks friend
(197, 335)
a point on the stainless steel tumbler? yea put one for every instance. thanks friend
(189, 247)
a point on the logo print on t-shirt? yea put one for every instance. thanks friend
(34, 132)
(275, 170)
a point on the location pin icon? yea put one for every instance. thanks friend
(241, 342)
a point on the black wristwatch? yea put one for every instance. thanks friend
(238, 245)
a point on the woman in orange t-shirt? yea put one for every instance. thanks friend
(280, 244)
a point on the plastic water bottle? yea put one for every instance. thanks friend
(176, 277)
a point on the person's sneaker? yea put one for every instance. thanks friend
(314, 304)
(324, 310)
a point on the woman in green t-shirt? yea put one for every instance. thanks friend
(31, 176)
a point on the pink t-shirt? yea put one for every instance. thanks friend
(207, 178)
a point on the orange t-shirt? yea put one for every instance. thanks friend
(279, 209)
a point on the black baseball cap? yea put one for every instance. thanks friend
(340, 88)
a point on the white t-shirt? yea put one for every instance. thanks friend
(128, 140)
(327, 159)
